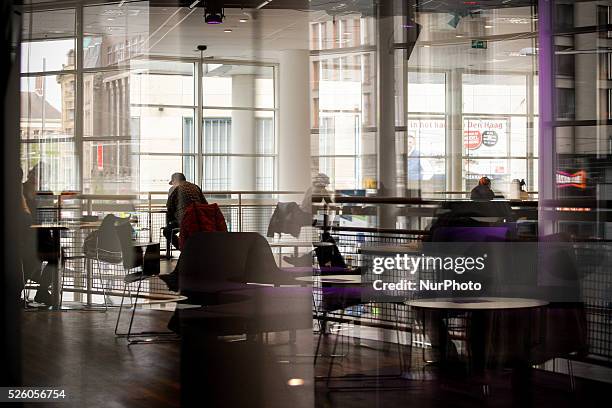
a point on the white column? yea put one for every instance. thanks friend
(387, 160)
(243, 133)
(294, 110)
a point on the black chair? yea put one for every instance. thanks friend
(114, 246)
(168, 242)
(232, 270)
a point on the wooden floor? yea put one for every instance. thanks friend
(79, 352)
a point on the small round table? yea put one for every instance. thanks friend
(478, 307)
(341, 279)
(476, 303)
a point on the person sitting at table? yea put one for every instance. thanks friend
(35, 246)
(181, 195)
(483, 190)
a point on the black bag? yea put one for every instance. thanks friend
(329, 255)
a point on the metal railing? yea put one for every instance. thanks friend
(251, 211)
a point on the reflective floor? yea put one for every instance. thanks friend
(78, 350)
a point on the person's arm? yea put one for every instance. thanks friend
(171, 207)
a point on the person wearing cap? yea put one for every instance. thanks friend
(317, 192)
(181, 195)
(483, 190)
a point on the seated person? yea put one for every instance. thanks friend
(483, 190)
(181, 195)
(35, 247)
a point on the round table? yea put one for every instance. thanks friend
(295, 244)
(341, 279)
(410, 248)
(476, 303)
(478, 308)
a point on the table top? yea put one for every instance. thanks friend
(288, 243)
(409, 248)
(70, 225)
(343, 279)
(49, 226)
(476, 303)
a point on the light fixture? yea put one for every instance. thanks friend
(488, 26)
(426, 46)
(192, 5)
(227, 30)
(294, 382)
(459, 36)
(121, 3)
(243, 20)
(213, 12)
(263, 4)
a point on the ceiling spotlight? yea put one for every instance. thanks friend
(426, 46)
(243, 20)
(488, 26)
(227, 30)
(459, 36)
(213, 12)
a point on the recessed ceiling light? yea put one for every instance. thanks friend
(227, 30)
(243, 20)
(110, 19)
(488, 26)
(426, 46)
(459, 36)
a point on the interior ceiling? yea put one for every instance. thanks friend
(283, 24)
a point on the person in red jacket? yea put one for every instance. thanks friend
(181, 195)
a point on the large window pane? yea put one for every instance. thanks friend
(47, 106)
(162, 129)
(108, 167)
(494, 93)
(155, 171)
(238, 131)
(518, 136)
(426, 92)
(52, 55)
(53, 161)
(496, 169)
(113, 35)
(161, 83)
(106, 104)
(426, 137)
(48, 24)
(238, 86)
(485, 137)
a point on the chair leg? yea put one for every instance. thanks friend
(570, 371)
(103, 286)
(321, 332)
(120, 309)
(399, 345)
(333, 355)
(133, 311)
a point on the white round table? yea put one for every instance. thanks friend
(476, 303)
(342, 279)
(410, 248)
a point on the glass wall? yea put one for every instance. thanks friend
(115, 122)
(465, 98)
(48, 153)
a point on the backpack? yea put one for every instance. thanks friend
(201, 217)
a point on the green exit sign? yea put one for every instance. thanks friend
(479, 44)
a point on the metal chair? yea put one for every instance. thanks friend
(168, 242)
